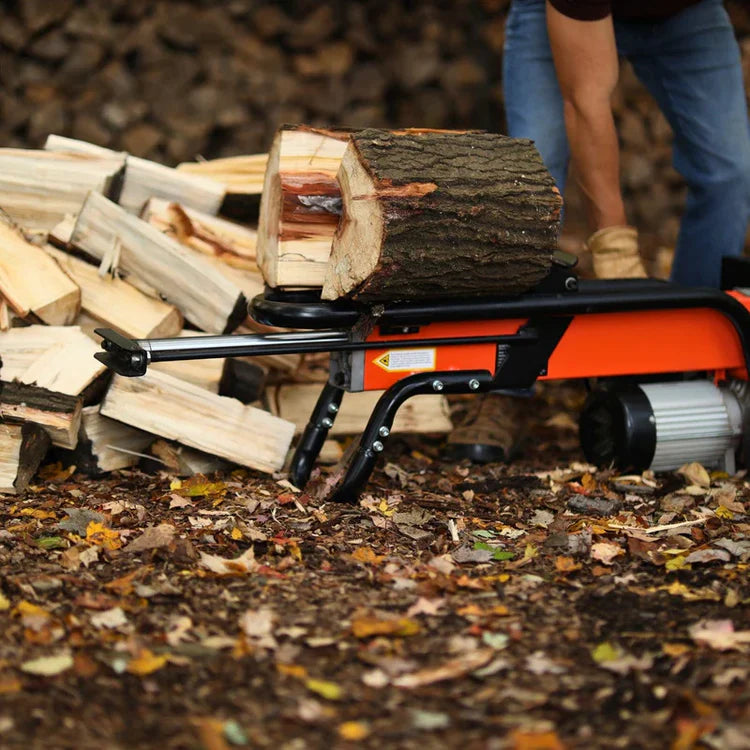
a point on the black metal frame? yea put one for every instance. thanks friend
(522, 357)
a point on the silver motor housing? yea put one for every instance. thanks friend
(661, 426)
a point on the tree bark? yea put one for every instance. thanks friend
(430, 214)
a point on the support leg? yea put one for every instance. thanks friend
(312, 439)
(378, 427)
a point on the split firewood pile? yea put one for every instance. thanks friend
(97, 238)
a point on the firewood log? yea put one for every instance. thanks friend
(105, 444)
(230, 242)
(440, 214)
(22, 449)
(58, 413)
(37, 188)
(187, 279)
(117, 304)
(217, 425)
(421, 414)
(32, 283)
(300, 207)
(144, 179)
(60, 358)
(242, 178)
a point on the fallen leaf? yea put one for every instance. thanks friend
(48, 666)
(708, 555)
(367, 555)
(424, 606)
(696, 474)
(448, 670)
(245, 563)
(328, 690)
(365, 627)
(353, 731)
(109, 618)
(100, 535)
(153, 537)
(719, 634)
(78, 520)
(566, 564)
(258, 625)
(4, 602)
(146, 662)
(606, 552)
(523, 740)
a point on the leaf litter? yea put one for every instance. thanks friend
(542, 604)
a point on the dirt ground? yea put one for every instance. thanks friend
(532, 606)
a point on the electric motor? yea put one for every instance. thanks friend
(661, 426)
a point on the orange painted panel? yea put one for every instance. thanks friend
(628, 343)
(594, 345)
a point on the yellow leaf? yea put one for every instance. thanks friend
(566, 564)
(530, 551)
(100, 535)
(38, 513)
(175, 484)
(292, 670)
(4, 602)
(146, 662)
(384, 509)
(26, 610)
(364, 627)
(199, 486)
(328, 690)
(10, 685)
(367, 555)
(675, 649)
(352, 731)
(723, 512)
(677, 563)
(236, 533)
(605, 652)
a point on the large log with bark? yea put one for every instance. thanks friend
(300, 206)
(431, 214)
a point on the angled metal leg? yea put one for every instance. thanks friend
(378, 427)
(312, 439)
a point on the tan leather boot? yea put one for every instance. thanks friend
(490, 429)
(614, 251)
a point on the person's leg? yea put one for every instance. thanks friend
(533, 104)
(691, 65)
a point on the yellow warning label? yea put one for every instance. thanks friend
(406, 360)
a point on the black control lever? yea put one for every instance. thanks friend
(121, 354)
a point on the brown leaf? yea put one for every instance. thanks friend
(152, 538)
(448, 670)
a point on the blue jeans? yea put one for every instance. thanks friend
(690, 63)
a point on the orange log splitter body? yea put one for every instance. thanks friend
(594, 345)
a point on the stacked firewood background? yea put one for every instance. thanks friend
(119, 221)
(96, 238)
(172, 80)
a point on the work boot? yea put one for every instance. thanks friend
(489, 429)
(614, 251)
